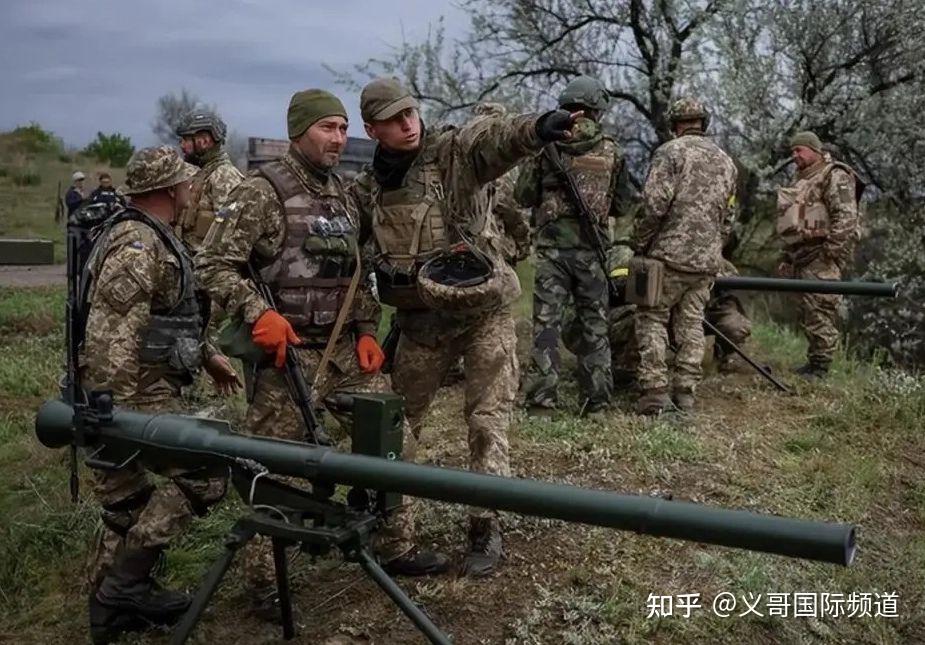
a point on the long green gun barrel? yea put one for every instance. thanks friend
(161, 440)
(841, 287)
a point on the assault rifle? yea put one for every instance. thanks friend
(313, 520)
(615, 291)
(299, 389)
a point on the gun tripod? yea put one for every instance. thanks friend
(319, 525)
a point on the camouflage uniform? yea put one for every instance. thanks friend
(273, 220)
(727, 313)
(818, 224)
(567, 266)
(689, 195)
(210, 190)
(445, 184)
(135, 304)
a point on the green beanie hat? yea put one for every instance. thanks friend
(806, 139)
(308, 106)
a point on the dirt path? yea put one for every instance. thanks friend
(42, 275)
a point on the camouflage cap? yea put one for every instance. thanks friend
(155, 168)
(383, 98)
(489, 109)
(688, 109)
(806, 139)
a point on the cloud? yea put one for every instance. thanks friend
(103, 66)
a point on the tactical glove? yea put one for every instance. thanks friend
(369, 354)
(271, 333)
(556, 125)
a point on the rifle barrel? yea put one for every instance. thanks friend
(842, 287)
(191, 442)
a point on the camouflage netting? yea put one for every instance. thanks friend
(891, 252)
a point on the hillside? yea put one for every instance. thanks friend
(32, 165)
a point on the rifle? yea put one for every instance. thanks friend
(59, 205)
(299, 389)
(586, 220)
(314, 520)
(390, 345)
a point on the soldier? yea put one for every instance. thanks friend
(294, 222)
(423, 194)
(818, 225)
(689, 199)
(202, 135)
(143, 341)
(567, 262)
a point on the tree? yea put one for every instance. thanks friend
(116, 149)
(171, 108)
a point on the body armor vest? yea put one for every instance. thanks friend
(409, 229)
(311, 274)
(171, 343)
(593, 173)
(801, 211)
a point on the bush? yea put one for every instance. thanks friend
(65, 158)
(3, 171)
(26, 178)
(33, 139)
(112, 148)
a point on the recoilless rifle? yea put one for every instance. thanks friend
(115, 438)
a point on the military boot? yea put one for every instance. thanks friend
(812, 371)
(417, 562)
(684, 399)
(653, 401)
(129, 599)
(485, 549)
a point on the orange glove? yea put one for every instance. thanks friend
(271, 333)
(369, 354)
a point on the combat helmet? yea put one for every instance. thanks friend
(464, 279)
(687, 109)
(199, 120)
(586, 91)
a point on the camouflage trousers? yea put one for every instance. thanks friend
(726, 313)
(683, 300)
(272, 413)
(819, 312)
(430, 344)
(563, 275)
(143, 511)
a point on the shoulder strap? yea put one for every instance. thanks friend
(284, 182)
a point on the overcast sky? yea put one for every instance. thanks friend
(80, 67)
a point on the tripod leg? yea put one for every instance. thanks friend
(282, 587)
(417, 616)
(238, 537)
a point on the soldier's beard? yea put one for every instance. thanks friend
(193, 158)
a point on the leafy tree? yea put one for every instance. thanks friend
(112, 148)
(171, 108)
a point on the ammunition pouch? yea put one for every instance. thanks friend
(173, 342)
(644, 283)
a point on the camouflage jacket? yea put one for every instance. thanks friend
(689, 205)
(252, 228)
(134, 273)
(210, 190)
(467, 159)
(839, 192)
(514, 220)
(599, 173)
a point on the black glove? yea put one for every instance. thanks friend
(555, 125)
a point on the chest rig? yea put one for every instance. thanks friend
(802, 215)
(311, 275)
(171, 342)
(409, 228)
(593, 172)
